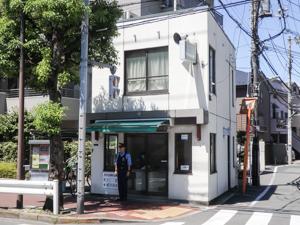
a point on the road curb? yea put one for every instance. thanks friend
(75, 219)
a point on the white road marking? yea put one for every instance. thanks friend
(221, 217)
(261, 195)
(259, 218)
(295, 220)
(173, 223)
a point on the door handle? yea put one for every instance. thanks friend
(163, 161)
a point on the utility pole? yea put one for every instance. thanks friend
(255, 49)
(289, 144)
(20, 163)
(82, 110)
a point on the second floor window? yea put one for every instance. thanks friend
(212, 70)
(147, 70)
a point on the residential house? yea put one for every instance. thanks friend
(272, 113)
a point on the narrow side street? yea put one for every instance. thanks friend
(279, 206)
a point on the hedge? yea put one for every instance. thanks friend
(8, 170)
(8, 151)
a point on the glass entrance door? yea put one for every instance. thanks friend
(150, 163)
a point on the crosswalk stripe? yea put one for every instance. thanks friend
(295, 220)
(173, 223)
(221, 217)
(259, 218)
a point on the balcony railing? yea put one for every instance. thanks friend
(66, 92)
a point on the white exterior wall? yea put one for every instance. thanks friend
(190, 94)
(193, 186)
(188, 89)
(220, 108)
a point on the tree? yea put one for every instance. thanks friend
(52, 47)
(9, 132)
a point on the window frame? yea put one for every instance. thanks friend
(106, 138)
(212, 169)
(147, 91)
(176, 167)
(212, 71)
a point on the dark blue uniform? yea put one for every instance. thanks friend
(123, 162)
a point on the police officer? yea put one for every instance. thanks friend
(122, 170)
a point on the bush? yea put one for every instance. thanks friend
(8, 151)
(70, 150)
(8, 170)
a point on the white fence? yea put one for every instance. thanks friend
(49, 188)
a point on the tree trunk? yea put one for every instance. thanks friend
(56, 145)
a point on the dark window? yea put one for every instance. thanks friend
(232, 88)
(213, 162)
(286, 115)
(110, 151)
(212, 70)
(183, 153)
(274, 111)
(147, 70)
(282, 115)
(233, 152)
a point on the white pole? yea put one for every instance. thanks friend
(82, 111)
(175, 5)
(55, 197)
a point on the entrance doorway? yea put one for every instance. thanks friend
(149, 154)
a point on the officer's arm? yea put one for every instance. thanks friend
(129, 162)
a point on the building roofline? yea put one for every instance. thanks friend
(166, 15)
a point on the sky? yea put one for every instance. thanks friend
(275, 51)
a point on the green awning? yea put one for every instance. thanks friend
(128, 126)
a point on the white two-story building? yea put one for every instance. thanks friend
(176, 117)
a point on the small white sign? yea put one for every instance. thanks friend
(184, 137)
(110, 180)
(188, 51)
(184, 167)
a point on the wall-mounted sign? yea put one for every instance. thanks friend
(184, 167)
(110, 181)
(184, 137)
(188, 51)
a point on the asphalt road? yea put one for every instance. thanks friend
(280, 205)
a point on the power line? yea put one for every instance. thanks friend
(180, 13)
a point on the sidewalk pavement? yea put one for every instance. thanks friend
(97, 209)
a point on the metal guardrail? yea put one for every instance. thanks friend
(65, 92)
(33, 187)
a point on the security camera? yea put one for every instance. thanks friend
(177, 37)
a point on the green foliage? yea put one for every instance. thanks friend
(8, 170)
(9, 132)
(71, 149)
(8, 126)
(48, 117)
(53, 34)
(8, 151)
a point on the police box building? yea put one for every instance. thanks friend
(171, 101)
